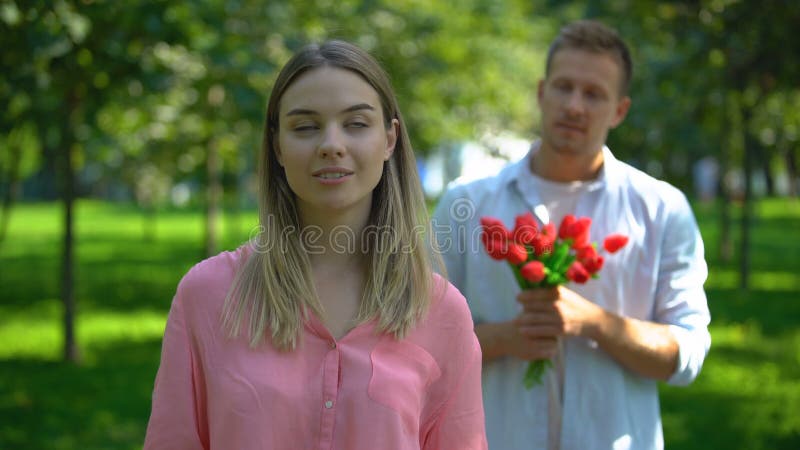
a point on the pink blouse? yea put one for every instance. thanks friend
(365, 391)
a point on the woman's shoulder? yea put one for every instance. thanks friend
(448, 306)
(446, 332)
(210, 279)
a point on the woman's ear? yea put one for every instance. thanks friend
(391, 138)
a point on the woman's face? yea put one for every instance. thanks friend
(333, 142)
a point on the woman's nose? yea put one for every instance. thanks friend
(332, 143)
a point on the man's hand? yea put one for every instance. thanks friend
(557, 311)
(506, 339)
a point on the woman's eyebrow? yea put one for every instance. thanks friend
(359, 107)
(311, 112)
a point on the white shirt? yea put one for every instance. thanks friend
(658, 276)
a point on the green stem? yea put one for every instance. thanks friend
(536, 369)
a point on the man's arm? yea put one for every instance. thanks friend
(647, 348)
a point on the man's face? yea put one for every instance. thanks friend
(580, 101)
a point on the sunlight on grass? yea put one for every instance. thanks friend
(776, 208)
(37, 333)
(722, 278)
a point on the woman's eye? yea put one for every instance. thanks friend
(304, 127)
(357, 124)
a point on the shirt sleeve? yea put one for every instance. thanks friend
(680, 298)
(175, 419)
(459, 422)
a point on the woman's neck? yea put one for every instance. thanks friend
(331, 239)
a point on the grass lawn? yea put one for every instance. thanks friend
(747, 397)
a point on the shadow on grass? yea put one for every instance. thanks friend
(123, 274)
(774, 246)
(770, 311)
(60, 406)
(700, 419)
(748, 394)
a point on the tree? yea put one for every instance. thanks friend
(73, 58)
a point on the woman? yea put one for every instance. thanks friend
(331, 329)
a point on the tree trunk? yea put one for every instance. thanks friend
(12, 191)
(725, 239)
(763, 156)
(791, 170)
(67, 256)
(747, 206)
(213, 193)
(149, 223)
(234, 216)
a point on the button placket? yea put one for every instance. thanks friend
(330, 391)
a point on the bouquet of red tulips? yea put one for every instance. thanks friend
(544, 257)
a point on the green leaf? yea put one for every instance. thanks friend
(535, 371)
(560, 255)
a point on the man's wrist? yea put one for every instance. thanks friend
(600, 324)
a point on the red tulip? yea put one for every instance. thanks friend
(525, 229)
(614, 242)
(496, 248)
(585, 252)
(577, 273)
(516, 254)
(544, 242)
(576, 229)
(566, 225)
(533, 271)
(590, 259)
(581, 230)
(593, 264)
(494, 229)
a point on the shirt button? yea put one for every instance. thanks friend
(329, 404)
(333, 344)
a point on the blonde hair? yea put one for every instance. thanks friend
(273, 289)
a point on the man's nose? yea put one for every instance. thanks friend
(575, 104)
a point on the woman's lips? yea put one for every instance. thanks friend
(332, 175)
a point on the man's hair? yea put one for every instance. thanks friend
(593, 36)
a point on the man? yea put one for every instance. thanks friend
(644, 319)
